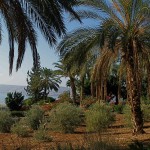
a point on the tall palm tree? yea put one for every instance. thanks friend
(124, 31)
(20, 18)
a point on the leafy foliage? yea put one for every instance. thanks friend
(6, 121)
(41, 135)
(118, 108)
(20, 129)
(21, 18)
(34, 117)
(34, 78)
(28, 102)
(65, 117)
(50, 81)
(99, 117)
(40, 82)
(17, 113)
(14, 101)
(146, 112)
(117, 36)
(127, 116)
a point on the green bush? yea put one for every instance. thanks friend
(20, 129)
(28, 102)
(17, 113)
(14, 100)
(146, 112)
(6, 121)
(145, 100)
(41, 135)
(50, 100)
(65, 117)
(34, 117)
(41, 102)
(98, 117)
(127, 116)
(118, 108)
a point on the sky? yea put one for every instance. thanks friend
(48, 56)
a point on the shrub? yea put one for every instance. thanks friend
(14, 100)
(41, 102)
(118, 108)
(6, 121)
(146, 112)
(50, 100)
(98, 117)
(127, 116)
(34, 117)
(42, 135)
(65, 117)
(20, 129)
(17, 113)
(145, 100)
(28, 102)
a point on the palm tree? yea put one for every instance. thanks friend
(124, 31)
(64, 70)
(50, 81)
(20, 18)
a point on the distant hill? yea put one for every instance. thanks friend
(4, 89)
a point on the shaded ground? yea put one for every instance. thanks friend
(117, 133)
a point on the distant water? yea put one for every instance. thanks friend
(4, 89)
(2, 98)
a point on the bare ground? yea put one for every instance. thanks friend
(117, 133)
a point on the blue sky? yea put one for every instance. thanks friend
(48, 56)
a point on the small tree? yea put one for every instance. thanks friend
(14, 100)
(50, 81)
(34, 82)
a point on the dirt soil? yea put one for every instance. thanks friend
(117, 133)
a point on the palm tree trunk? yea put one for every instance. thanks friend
(73, 88)
(134, 92)
(82, 90)
(148, 81)
(92, 89)
(119, 88)
(96, 91)
(99, 91)
(105, 89)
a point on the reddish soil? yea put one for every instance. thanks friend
(116, 133)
